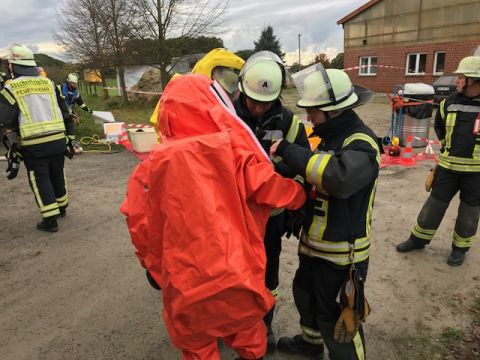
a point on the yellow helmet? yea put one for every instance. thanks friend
(469, 66)
(217, 57)
(20, 55)
(261, 78)
(73, 78)
(328, 89)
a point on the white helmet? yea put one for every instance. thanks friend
(469, 66)
(20, 55)
(261, 78)
(73, 78)
(328, 90)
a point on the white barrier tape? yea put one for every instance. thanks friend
(428, 141)
(384, 67)
(134, 91)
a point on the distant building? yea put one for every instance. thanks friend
(391, 42)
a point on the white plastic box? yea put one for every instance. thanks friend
(142, 139)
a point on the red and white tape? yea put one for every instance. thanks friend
(133, 91)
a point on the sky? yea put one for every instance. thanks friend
(34, 22)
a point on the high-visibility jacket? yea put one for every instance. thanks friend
(197, 210)
(454, 123)
(72, 97)
(40, 119)
(343, 173)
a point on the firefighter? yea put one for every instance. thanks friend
(69, 91)
(335, 237)
(457, 127)
(259, 106)
(36, 119)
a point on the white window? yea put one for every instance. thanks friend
(439, 63)
(368, 66)
(416, 64)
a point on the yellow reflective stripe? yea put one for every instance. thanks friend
(319, 223)
(364, 137)
(33, 182)
(83, 105)
(56, 125)
(72, 137)
(62, 201)
(25, 112)
(458, 167)
(335, 246)
(463, 242)
(51, 213)
(449, 125)
(359, 349)
(274, 292)
(54, 104)
(299, 179)
(370, 209)
(421, 233)
(8, 96)
(311, 336)
(293, 131)
(277, 159)
(442, 109)
(337, 259)
(476, 152)
(315, 167)
(41, 140)
(460, 160)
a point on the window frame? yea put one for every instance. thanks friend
(369, 66)
(417, 63)
(435, 72)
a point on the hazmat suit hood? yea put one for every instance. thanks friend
(212, 111)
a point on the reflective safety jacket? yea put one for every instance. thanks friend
(40, 119)
(197, 209)
(454, 124)
(343, 173)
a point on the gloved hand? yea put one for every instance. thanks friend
(13, 160)
(294, 222)
(70, 151)
(75, 117)
(152, 281)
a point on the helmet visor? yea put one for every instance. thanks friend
(227, 78)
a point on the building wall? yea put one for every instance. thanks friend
(387, 78)
(392, 29)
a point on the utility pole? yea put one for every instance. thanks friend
(299, 60)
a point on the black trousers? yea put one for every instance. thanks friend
(47, 181)
(315, 288)
(447, 183)
(273, 247)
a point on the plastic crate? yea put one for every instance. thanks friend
(142, 139)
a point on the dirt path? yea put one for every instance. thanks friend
(81, 294)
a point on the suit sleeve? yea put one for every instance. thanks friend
(439, 125)
(67, 119)
(79, 101)
(9, 111)
(266, 187)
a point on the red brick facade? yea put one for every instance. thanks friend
(386, 78)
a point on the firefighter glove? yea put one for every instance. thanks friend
(70, 149)
(294, 222)
(346, 326)
(13, 162)
(152, 281)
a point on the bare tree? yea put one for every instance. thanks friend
(120, 22)
(82, 34)
(165, 19)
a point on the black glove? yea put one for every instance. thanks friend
(294, 222)
(152, 281)
(13, 159)
(70, 150)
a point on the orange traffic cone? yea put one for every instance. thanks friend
(407, 154)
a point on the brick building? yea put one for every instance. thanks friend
(391, 42)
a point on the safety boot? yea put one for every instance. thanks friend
(271, 341)
(409, 245)
(456, 257)
(49, 225)
(296, 345)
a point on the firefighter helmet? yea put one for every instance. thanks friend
(20, 55)
(469, 67)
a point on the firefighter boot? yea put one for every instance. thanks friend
(456, 257)
(49, 225)
(409, 245)
(296, 345)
